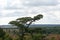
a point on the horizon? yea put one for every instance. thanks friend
(36, 24)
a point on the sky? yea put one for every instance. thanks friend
(13, 9)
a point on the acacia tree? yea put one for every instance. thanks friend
(24, 23)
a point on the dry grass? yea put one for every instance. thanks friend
(55, 36)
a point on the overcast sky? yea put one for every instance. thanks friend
(12, 9)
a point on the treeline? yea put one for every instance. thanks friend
(50, 30)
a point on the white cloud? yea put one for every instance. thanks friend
(14, 4)
(3, 4)
(6, 20)
(20, 8)
(40, 2)
(3, 12)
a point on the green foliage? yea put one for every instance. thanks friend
(38, 17)
(39, 36)
(2, 33)
(24, 19)
(24, 23)
(8, 38)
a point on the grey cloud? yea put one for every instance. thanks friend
(20, 14)
(40, 3)
(16, 13)
(31, 3)
(50, 19)
(13, 4)
(55, 9)
(13, 7)
(0, 15)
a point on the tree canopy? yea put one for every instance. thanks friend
(25, 20)
(24, 23)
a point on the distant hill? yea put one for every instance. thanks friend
(34, 25)
(7, 26)
(45, 25)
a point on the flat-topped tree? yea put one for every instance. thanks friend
(24, 23)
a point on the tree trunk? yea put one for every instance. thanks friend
(22, 35)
